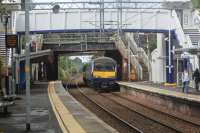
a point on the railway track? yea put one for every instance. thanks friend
(144, 124)
(172, 122)
(169, 120)
(105, 114)
(136, 117)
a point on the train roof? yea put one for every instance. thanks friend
(104, 59)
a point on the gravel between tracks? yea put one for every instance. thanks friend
(139, 121)
(179, 124)
(112, 121)
(119, 104)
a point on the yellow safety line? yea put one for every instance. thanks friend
(64, 130)
(67, 119)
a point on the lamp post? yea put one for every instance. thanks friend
(170, 65)
(149, 58)
(27, 66)
(129, 61)
(5, 21)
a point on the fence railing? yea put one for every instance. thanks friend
(75, 40)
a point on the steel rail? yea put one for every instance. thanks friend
(111, 113)
(140, 113)
(169, 115)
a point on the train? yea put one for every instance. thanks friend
(101, 73)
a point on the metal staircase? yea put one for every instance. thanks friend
(121, 45)
(141, 55)
(194, 35)
(188, 38)
(144, 62)
(183, 39)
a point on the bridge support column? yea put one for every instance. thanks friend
(52, 68)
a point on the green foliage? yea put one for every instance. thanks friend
(152, 46)
(85, 66)
(77, 64)
(67, 68)
(6, 9)
(196, 3)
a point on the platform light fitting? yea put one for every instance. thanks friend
(56, 9)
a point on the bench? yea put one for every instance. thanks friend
(5, 104)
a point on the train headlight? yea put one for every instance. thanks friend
(95, 76)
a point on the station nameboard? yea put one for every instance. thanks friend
(11, 41)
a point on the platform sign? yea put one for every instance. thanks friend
(11, 41)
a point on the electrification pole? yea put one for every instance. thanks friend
(7, 58)
(101, 19)
(118, 18)
(149, 56)
(27, 66)
(129, 61)
(169, 52)
(13, 73)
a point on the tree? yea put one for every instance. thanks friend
(196, 3)
(6, 8)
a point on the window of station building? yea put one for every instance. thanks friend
(185, 19)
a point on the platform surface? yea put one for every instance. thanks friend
(42, 117)
(167, 91)
(81, 119)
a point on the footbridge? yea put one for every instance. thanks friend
(88, 26)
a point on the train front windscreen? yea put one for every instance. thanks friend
(104, 67)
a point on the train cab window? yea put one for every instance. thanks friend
(104, 67)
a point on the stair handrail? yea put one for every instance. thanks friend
(143, 56)
(137, 50)
(121, 45)
(131, 41)
(137, 66)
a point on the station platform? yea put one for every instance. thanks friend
(166, 99)
(71, 115)
(192, 95)
(53, 110)
(43, 119)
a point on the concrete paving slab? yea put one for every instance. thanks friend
(42, 117)
(88, 121)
